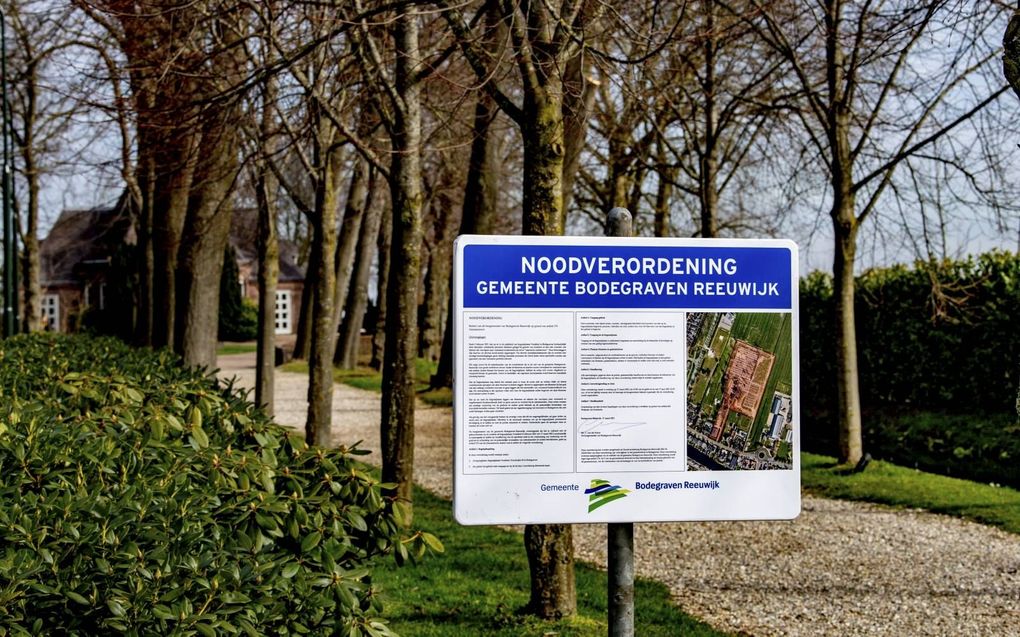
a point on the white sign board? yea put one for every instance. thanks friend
(625, 380)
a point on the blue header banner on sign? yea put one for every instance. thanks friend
(627, 276)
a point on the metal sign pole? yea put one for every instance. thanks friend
(620, 535)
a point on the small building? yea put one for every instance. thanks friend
(75, 263)
(86, 251)
(290, 282)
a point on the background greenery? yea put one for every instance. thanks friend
(239, 317)
(939, 354)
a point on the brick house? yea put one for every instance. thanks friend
(291, 281)
(80, 256)
(75, 263)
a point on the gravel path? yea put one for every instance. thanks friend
(841, 568)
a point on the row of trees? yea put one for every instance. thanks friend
(377, 130)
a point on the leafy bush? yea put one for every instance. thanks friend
(242, 325)
(238, 316)
(139, 497)
(983, 448)
(937, 336)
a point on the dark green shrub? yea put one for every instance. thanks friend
(936, 336)
(238, 316)
(242, 326)
(138, 497)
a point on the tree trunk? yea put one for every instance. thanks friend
(1011, 51)
(164, 169)
(33, 291)
(318, 426)
(432, 300)
(269, 271)
(146, 252)
(845, 225)
(851, 445)
(382, 285)
(619, 179)
(579, 96)
(176, 167)
(438, 278)
(397, 427)
(357, 298)
(303, 341)
(550, 548)
(636, 191)
(663, 196)
(201, 259)
(542, 131)
(30, 237)
(708, 195)
(347, 246)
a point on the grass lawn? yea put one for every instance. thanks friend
(887, 483)
(367, 378)
(477, 586)
(226, 349)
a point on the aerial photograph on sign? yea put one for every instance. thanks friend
(739, 391)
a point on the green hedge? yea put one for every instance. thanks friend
(936, 338)
(139, 497)
(238, 316)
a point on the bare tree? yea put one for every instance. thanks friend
(315, 120)
(444, 187)
(347, 350)
(395, 94)
(479, 208)
(181, 61)
(383, 245)
(681, 121)
(870, 103)
(41, 116)
(268, 254)
(719, 117)
(359, 196)
(544, 38)
(403, 92)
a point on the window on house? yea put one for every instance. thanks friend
(51, 312)
(283, 312)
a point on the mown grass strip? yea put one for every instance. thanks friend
(371, 380)
(886, 483)
(479, 584)
(226, 349)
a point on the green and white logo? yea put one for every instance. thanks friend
(601, 492)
